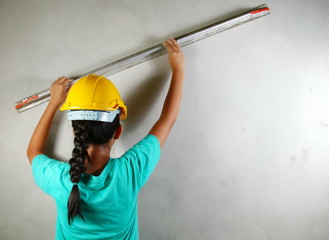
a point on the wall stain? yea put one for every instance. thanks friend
(323, 124)
(244, 130)
(305, 154)
(293, 158)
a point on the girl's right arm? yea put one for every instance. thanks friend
(170, 110)
(40, 135)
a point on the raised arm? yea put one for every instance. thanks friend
(40, 135)
(170, 109)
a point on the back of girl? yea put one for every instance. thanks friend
(96, 195)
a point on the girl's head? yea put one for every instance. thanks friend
(95, 107)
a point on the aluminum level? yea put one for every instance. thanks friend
(153, 52)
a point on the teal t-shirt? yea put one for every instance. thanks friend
(108, 201)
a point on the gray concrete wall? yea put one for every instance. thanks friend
(249, 155)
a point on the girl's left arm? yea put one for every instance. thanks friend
(40, 135)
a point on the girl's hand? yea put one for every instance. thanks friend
(176, 56)
(58, 90)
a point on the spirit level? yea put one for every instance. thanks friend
(153, 52)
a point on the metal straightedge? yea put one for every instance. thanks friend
(153, 52)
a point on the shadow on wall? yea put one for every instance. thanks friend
(141, 100)
(53, 135)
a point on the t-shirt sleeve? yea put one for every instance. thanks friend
(144, 157)
(47, 172)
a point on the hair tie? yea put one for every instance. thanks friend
(75, 184)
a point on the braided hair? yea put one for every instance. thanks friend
(85, 132)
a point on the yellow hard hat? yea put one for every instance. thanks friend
(94, 93)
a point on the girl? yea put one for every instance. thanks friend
(95, 195)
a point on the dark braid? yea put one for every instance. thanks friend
(85, 132)
(77, 162)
